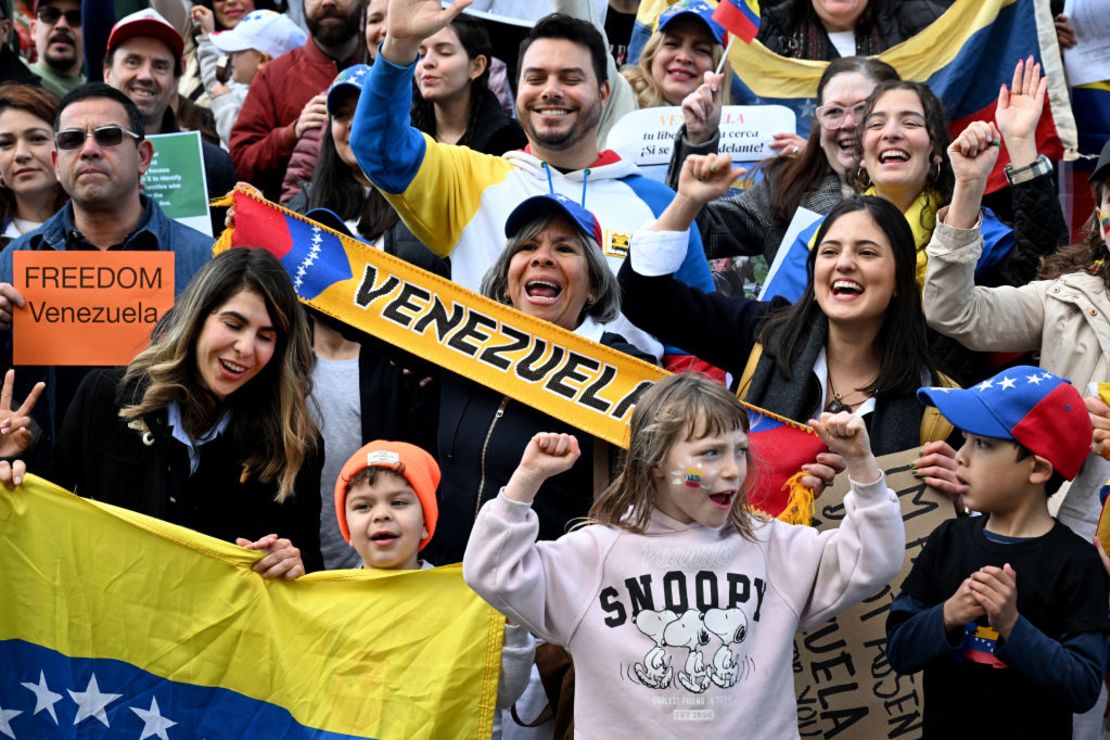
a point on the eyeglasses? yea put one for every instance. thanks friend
(49, 15)
(832, 116)
(74, 138)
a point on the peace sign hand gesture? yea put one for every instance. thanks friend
(15, 426)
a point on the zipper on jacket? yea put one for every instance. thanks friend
(485, 446)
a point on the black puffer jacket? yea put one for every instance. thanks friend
(792, 29)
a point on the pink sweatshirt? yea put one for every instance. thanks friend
(683, 630)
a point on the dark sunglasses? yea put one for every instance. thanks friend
(49, 14)
(74, 138)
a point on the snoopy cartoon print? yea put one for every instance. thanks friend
(688, 631)
(655, 671)
(731, 627)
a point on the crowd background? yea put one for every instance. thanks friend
(449, 147)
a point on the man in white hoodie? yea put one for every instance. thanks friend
(456, 200)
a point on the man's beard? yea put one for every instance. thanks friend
(586, 125)
(335, 34)
(62, 64)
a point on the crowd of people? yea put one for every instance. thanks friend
(923, 320)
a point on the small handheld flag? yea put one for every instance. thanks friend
(740, 17)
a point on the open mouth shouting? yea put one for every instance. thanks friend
(723, 499)
(543, 292)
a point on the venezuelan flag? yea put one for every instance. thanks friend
(740, 17)
(114, 624)
(964, 56)
(780, 447)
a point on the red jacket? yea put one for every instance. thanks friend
(262, 138)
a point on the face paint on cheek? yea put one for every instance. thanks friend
(690, 475)
(1104, 221)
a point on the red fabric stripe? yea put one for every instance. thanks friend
(737, 18)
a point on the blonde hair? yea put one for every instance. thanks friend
(271, 424)
(681, 407)
(648, 93)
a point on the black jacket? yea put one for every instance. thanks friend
(482, 435)
(791, 28)
(723, 331)
(100, 457)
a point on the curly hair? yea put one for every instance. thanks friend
(270, 423)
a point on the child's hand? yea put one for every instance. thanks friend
(996, 591)
(706, 178)
(547, 454)
(282, 559)
(961, 608)
(846, 435)
(937, 468)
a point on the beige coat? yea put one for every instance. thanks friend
(1067, 320)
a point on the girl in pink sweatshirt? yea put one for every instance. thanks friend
(679, 604)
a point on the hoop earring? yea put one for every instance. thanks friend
(863, 177)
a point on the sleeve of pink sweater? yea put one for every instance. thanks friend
(820, 574)
(545, 586)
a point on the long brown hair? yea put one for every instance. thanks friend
(648, 94)
(41, 104)
(790, 178)
(270, 424)
(680, 407)
(1089, 253)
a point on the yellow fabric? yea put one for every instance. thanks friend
(584, 383)
(922, 218)
(393, 654)
(800, 506)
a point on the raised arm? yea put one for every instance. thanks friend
(1002, 319)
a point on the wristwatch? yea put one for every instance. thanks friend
(1042, 165)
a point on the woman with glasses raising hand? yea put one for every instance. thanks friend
(811, 175)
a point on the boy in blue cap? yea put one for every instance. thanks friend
(1006, 612)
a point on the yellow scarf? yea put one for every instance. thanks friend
(922, 218)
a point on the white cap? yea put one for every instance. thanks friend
(262, 30)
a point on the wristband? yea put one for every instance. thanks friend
(1042, 165)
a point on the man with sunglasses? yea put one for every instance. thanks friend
(100, 154)
(60, 45)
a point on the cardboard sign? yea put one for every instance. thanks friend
(845, 687)
(175, 179)
(88, 308)
(646, 136)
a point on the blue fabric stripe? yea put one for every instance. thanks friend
(198, 711)
(388, 148)
(970, 82)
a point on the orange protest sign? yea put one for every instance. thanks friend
(88, 308)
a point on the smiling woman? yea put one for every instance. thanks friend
(687, 44)
(855, 340)
(29, 191)
(208, 427)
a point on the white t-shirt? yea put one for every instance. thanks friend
(844, 41)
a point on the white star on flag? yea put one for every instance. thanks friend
(1007, 383)
(153, 721)
(6, 717)
(1046, 376)
(984, 386)
(91, 703)
(1034, 379)
(45, 699)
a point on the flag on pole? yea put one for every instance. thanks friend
(740, 17)
(115, 624)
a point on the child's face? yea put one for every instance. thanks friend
(386, 523)
(700, 479)
(993, 474)
(244, 65)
